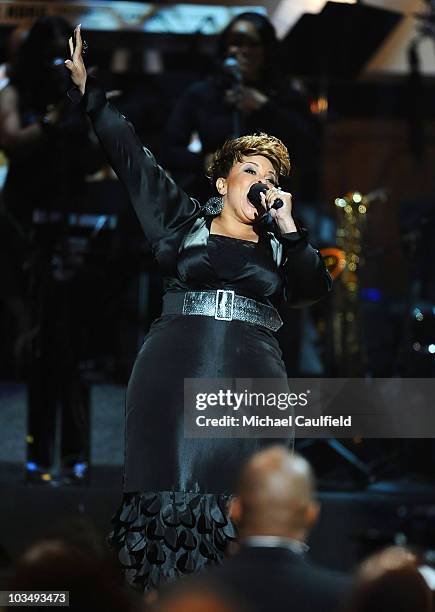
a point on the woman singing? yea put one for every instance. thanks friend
(173, 518)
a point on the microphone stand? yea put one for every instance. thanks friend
(237, 120)
(232, 68)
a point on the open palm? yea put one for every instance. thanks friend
(76, 65)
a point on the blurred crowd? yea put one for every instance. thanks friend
(275, 508)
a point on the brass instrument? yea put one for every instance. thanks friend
(335, 260)
(344, 263)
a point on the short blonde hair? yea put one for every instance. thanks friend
(234, 149)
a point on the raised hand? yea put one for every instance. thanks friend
(76, 65)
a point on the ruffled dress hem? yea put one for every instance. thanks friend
(161, 536)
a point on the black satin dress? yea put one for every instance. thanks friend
(173, 518)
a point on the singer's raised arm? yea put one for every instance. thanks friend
(164, 211)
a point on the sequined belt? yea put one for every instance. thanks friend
(222, 305)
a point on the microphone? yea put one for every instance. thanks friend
(255, 198)
(232, 67)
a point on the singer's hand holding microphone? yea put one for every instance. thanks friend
(273, 201)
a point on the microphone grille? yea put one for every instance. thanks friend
(254, 192)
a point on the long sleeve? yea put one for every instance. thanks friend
(165, 212)
(306, 278)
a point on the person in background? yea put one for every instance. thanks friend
(13, 312)
(390, 580)
(46, 141)
(185, 597)
(94, 584)
(248, 93)
(275, 510)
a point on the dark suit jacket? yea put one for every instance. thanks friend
(275, 579)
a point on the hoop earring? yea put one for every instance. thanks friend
(214, 205)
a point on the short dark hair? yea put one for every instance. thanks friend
(234, 149)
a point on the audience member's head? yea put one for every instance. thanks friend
(54, 565)
(276, 495)
(81, 532)
(195, 595)
(390, 581)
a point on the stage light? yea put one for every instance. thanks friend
(418, 314)
(371, 294)
(80, 469)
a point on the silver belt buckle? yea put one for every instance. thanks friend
(222, 306)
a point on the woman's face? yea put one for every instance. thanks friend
(242, 176)
(245, 45)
